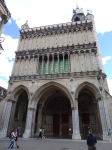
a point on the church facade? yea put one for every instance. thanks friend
(58, 82)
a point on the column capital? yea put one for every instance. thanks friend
(29, 57)
(79, 52)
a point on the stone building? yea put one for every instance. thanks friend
(58, 82)
(3, 93)
(4, 18)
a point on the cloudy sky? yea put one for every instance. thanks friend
(48, 12)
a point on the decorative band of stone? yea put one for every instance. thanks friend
(66, 49)
(56, 29)
(94, 73)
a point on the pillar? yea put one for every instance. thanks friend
(53, 63)
(42, 64)
(74, 61)
(28, 126)
(75, 122)
(20, 58)
(85, 61)
(63, 63)
(28, 64)
(58, 62)
(38, 64)
(90, 54)
(24, 65)
(5, 118)
(39, 119)
(33, 61)
(79, 53)
(48, 64)
(69, 61)
(60, 133)
(33, 123)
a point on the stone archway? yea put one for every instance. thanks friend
(87, 96)
(54, 106)
(20, 96)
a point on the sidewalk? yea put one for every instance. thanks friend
(53, 144)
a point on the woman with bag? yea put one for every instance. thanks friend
(12, 144)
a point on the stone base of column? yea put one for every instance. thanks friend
(2, 135)
(105, 137)
(76, 137)
(27, 135)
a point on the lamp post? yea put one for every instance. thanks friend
(1, 48)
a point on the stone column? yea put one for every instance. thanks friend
(74, 61)
(75, 122)
(33, 59)
(87, 34)
(42, 64)
(27, 133)
(77, 35)
(33, 123)
(14, 64)
(69, 61)
(82, 35)
(24, 65)
(28, 63)
(85, 60)
(104, 116)
(37, 64)
(47, 63)
(97, 65)
(39, 119)
(63, 63)
(5, 118)
(90, 53)
(58, 62)
(20, 58)
(79, 53)
(52, 63)
(60, 133)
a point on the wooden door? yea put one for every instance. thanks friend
(56, 121)
(65, 127)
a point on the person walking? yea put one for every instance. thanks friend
(43, 137)
(110, 135)
(12, 140)
(91, 140)
(18, 129)
(40, 134)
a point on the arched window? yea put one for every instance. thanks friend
(77, 19)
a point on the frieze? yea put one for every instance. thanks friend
(57, 29)
(56, 76)
(71, 49)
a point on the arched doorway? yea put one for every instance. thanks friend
(19, 112)
(54, 113)
(89, 116)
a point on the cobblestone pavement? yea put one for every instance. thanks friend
(53, 144)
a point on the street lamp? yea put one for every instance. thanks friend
(1, 48)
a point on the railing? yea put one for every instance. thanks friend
(84, 131)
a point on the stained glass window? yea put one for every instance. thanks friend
(45, 67)
(50, 65)
(66, 65)
(55, 65)
(61, 65)
(40, 70)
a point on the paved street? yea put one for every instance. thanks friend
(53, 144)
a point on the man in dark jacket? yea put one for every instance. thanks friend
(91, 140)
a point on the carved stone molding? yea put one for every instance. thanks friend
(51, 51)
(55, 76)
(57, 29)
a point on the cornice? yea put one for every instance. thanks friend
(57, 29)
(65, 49)
(57, 76)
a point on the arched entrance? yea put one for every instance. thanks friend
(19, 111)
(54, 113)
(89, 114)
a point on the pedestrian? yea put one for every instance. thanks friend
(110, 135)
(91, 140)
(40, 134)
(12, 140)
(43, 137)
(18, 129)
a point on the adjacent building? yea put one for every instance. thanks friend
(58, 82)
